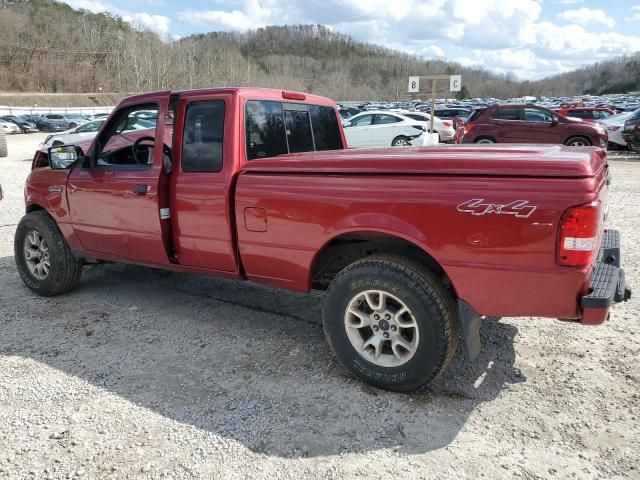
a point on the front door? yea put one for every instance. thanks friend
(115, 202)
(359, 132)
(540, 127)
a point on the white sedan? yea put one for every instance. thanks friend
(383, 129)
(68, 137)
(614, 126)
(444, 128)
(9, 127)
(90, 130)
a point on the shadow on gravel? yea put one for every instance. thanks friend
(238, 360)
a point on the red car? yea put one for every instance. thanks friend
(520, 123)
(588, 114)
(413, 246)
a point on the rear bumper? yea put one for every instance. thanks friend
(607, 284)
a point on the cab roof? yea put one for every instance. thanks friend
(247, 93)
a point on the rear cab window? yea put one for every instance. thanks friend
(274, 128)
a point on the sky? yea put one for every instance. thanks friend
(530, 38)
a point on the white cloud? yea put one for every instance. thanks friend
(140, 20)
(505, 35)
(635, 17)
(584, 16)
(145, 21)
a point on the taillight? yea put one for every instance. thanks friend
(578, 238)
(447, 124)
(468, 127)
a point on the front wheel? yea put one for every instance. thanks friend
(391, 322)
(577, 142)
(43, 257)
(634, 146)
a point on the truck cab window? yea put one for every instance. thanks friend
(265, 132)
(203, 136)
(298, 131)
(129, 139)
(326, 132)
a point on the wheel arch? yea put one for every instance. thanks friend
(347, 247)
(34, 207)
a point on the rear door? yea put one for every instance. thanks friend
(385, 128)
(540, 127)
(509, 124)
(201, 183)
(115, 205)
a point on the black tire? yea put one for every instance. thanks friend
(485, 140)
(65, 270)
(634, 146)
(73, 125)
(578, 141)
(400, 141)
(4, 150)
(433, 308)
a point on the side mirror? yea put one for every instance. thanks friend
(64, 156)
(554, 121)
(346, 124)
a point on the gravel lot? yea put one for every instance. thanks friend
(145, 374)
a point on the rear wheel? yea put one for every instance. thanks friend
(400, 142)
(635, 146)
(391, 322)
(43, 257)
(577, 142)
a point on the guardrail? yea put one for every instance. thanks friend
(6, 110)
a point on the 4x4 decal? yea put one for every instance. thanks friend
(476, 206)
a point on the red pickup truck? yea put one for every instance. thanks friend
(413, 246)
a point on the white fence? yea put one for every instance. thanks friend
(5, 110)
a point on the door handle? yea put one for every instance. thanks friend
(141, 189)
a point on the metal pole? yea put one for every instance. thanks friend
(433, 103)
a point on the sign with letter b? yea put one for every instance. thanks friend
(414, 84)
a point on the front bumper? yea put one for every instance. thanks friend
(607, 284)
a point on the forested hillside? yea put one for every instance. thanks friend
(47, 46)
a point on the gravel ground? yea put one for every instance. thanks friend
(140, 373)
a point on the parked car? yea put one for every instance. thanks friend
(8, 127)
(450, 113)
(45, 124)
(444, 128)
(614, 126)
(631, 132)
(519, 123)
(412, 246)
(90, 130)
(70, 120)
(24, 125)
(383, 129)
(3, 144)
(86, 130)
(588, 114)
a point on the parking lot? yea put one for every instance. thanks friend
(150, 374)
